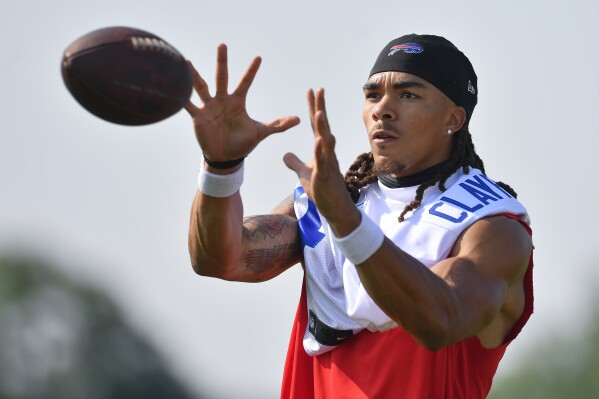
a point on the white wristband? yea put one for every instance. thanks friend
(219, 185)
(360, 244)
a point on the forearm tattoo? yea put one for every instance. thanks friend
(266, 229)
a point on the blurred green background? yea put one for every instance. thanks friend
(61, 338)
(556, 367)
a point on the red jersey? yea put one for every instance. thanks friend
(392, 364)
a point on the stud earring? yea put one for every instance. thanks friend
(449, 131)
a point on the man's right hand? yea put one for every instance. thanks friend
(222, 126)
(221, 243)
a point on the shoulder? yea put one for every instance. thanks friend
(500, 244)
(471, 197)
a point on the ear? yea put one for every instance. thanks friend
(457, 118)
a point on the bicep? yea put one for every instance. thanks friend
(486, 261)
(271, 243)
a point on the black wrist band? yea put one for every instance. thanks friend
(223, 164)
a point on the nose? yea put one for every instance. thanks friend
(384, 111)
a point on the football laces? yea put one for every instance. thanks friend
(154, 44)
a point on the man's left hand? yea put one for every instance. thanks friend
(321, 178)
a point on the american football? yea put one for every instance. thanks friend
(126, 75)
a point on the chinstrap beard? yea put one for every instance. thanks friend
(386, 166)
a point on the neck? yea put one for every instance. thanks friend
(412, 180)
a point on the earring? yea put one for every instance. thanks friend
(449, 131)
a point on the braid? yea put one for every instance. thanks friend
(360, 174)
(463, 155)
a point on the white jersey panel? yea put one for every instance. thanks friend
(324, 282)
(336, 296)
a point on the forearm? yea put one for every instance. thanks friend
(405, 289)
(413, 296)
(215, 234)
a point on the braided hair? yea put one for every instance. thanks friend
(463, 155)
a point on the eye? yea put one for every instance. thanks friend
(370, 95)
(409, 96)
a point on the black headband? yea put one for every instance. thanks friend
(436, 60)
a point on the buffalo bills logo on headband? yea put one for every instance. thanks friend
(408, 48)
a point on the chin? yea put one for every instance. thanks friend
(384, 165)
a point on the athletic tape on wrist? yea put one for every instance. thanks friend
(360, 244)
(219, 186)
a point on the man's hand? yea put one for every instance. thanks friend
(321, 178)
(222, 126)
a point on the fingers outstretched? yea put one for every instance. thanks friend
(293, 162)
(318, 113)
(278, 125)
(199, 84)
(248, 78)
(222, 71)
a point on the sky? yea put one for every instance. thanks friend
(110, 204)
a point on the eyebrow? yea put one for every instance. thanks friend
(397, 85)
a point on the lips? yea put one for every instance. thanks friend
(383, 136)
